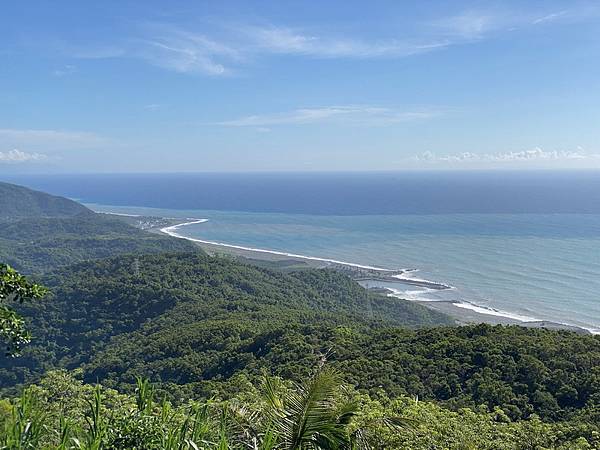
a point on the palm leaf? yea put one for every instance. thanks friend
(311, 415)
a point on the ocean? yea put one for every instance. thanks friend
(525, 245)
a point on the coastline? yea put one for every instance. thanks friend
(465, 316)
(171, 231)
(356, 271)
(462, 312)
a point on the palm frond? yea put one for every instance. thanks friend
(312, 415)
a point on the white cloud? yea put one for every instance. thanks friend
(64, 70)
(219, 49)
(472, 25)
(18, 156)
(184, 51)
(284, 40)
(163, 46)
(469, 25)
(549, 17)
(357, 115)
(49, 139)
(189, 52)
(535, 155)
(182, 56)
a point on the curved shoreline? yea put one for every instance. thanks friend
(360, 270)
(171, 231)
(399, 276)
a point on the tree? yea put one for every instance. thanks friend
(313, 415)
(14, 287)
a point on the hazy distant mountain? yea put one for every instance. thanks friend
(19, 201)
(39, 232)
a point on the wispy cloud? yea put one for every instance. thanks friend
(49, 139)
(476, 25)
(16, 156)
(184, 51)
(285, 40)
(549, 17)
(534, 155)
(170, 48)
(65, 70)
(220, 49)
(192, 52)
(356, 115)
(468, 25)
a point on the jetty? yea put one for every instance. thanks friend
(361, 273)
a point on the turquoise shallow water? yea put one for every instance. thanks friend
(525, 244)
(527, 266)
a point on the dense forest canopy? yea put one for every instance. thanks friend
(39, 232)
(192, 323)
(322, 412)
(126, 298)
(208, 332)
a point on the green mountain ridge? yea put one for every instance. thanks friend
(39, 232)
(20, 202)
(144, 302)
(197, 325)
(125, 303)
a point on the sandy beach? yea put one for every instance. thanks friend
(288, 261)
(465, 316)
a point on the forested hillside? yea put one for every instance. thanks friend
(210, 333)
(19, 202)
(188, 303)
(39, 232)
(194, 324)
(320, 413)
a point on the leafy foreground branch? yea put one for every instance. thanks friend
(62, 413)
(14, 287)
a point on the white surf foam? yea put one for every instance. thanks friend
(495, 312)
(405, 276)
(412, 295)
(519, 317)
(172, 231)
(416, 295)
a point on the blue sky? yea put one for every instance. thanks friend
(149, 86)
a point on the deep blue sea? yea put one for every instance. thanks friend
(521, 244)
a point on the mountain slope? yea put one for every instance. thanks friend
(155, 307)
(39, 232)
(200, 326)
(19, 202)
